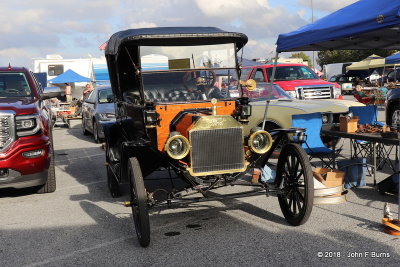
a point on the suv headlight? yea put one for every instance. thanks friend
(177, 146)
(337, 92)
(27, 125)
(260, 141)
(292, 93)
(106, 116)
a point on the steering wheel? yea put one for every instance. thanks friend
(199, 79)
(12, 91)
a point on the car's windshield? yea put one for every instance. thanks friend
(263, 91)
(164, 58)
(105, 96)
(14, 84)
(195, 85)
(287, 73)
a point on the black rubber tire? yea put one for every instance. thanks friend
(390, 115)
(84, 131)
(50, 185)
(112, 182)
(138, 200)
(95, 132)
(294, 169)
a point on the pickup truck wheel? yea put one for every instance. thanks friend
(84, 131)
(50, 185)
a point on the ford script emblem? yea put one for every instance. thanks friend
(317, 93)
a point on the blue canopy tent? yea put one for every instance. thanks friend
(69, 76)
(393, 59)
(366, 24)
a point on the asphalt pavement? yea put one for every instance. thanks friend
(80, 224)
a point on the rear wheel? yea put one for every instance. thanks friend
(138, 199)
(297, 197)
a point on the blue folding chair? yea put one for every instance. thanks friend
(366, 115)
(313, 144)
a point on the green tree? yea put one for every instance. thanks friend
(341, 56)
(303, 56)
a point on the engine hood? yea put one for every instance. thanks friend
(301, 83)
(106, 108)
(20, 106)
(310, 106)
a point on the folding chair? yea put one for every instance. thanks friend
(313, 144)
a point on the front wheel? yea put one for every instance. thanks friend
(84, 131)
(295, 173)
(96, 132)
(138, 199)
(50, 185)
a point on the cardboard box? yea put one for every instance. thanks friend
(348, 125)
(332, 177)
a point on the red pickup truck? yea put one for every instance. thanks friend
(298, 80)
(26, 145)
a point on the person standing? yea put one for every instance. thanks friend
(86, 91)
(68, 96)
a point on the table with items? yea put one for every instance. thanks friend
(374, 138)
(388, 139)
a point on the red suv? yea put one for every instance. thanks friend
(26, 145)
(298, 80)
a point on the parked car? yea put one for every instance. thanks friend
(298, 80)
(97, 109)
(392, 106)
(170, 115)
(346, 83)
(26, 144)
(391, 76)
(282, 106)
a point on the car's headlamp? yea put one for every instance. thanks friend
(27, 125)
(244, 109)
(292, 93)
(177, 146)
(106, 116)
(260, 141)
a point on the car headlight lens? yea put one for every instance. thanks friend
(292, 93)
(260, 141)
(27, 125)
(177, 146)
(106, 116)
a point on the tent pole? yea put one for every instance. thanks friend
(271, 82)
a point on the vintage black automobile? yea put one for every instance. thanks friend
(174, 111)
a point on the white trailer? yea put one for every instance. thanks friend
(55, 65)
(335, 69)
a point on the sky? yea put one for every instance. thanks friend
(76, 28)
